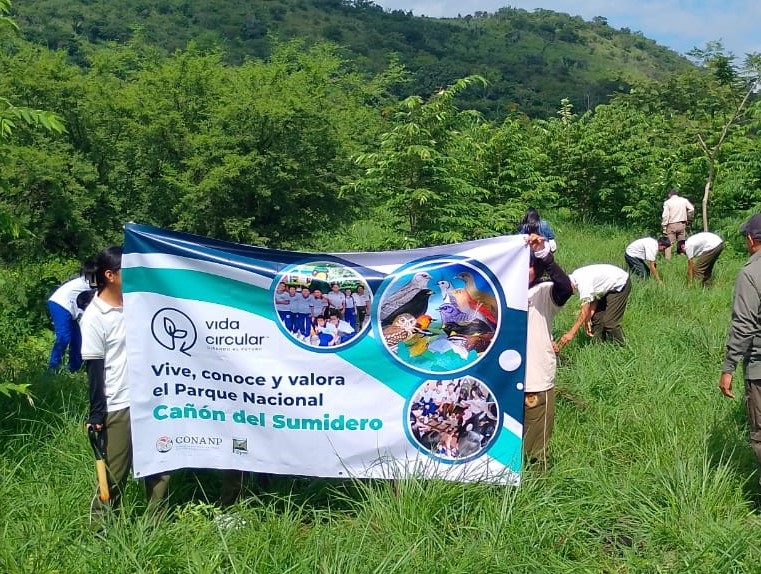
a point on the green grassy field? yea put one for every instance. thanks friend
(651, 473)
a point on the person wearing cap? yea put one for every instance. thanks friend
(702, 251)
(744, 337)
(545, 298)
(677, 214)
(604, 293)
(640, 256)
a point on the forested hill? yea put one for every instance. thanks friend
(531, 59)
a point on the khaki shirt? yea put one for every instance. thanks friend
(744, 338)
(677, 209)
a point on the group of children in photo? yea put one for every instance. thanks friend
(453, 421)
(323, 320)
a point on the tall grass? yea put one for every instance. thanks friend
(651, 473)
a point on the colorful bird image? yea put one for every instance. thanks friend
(423, 322)
(478, 342)
(466, 328)
(451, 314)
(467, 304)
(390, 305)
(416, 306)
(402, 329)
(441, 319)
(444, 288)
(486, 299)
(417, 344)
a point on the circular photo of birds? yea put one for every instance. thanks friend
(323, 305)
(438, 317)
(453, 420)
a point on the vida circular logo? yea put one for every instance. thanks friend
(174, 330)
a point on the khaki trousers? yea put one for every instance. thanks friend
(702, 268)
(538, 422)
(675, 232)
(118, 457)
(606, 321)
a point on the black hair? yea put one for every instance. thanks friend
(333, 314)
(530, 221)
(664, 241)
(87, 272)
(110, 259)
(680, 246)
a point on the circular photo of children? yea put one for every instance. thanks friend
(453, 420)
(438, 317)
(323, 305)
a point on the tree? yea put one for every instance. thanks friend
(742, 85)
(14, 117)
(424, 171)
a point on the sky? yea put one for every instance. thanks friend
(677, 24)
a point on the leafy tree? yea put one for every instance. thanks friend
(13, 117)
(742, 86)
(423, 173)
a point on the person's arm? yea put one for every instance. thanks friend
(96, 378)
(585, 315)
(546, 230)
(690, 212)
(742, 329)
(690, 270)
(654, 271)
(665, 216)
(561, 284)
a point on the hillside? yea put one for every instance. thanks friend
(531, 59)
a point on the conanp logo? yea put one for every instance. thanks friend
(174, 330)
(164, 444)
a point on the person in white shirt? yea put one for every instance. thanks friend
(339, 329)
(677, 214)
(362, 302)
(702, 251)
(336, 300)
(104, 350)
(545, 298)
(640, 256)
(604, 292)
(64, 312)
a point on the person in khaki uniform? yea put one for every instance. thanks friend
(545, 297)
(702, 251)
(744, 337)
(604, 293)
(677, 214)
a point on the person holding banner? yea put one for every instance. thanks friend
(545, 298)
(104, 352)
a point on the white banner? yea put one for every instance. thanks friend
(377, 365)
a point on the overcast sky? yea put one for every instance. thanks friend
(677, 24)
